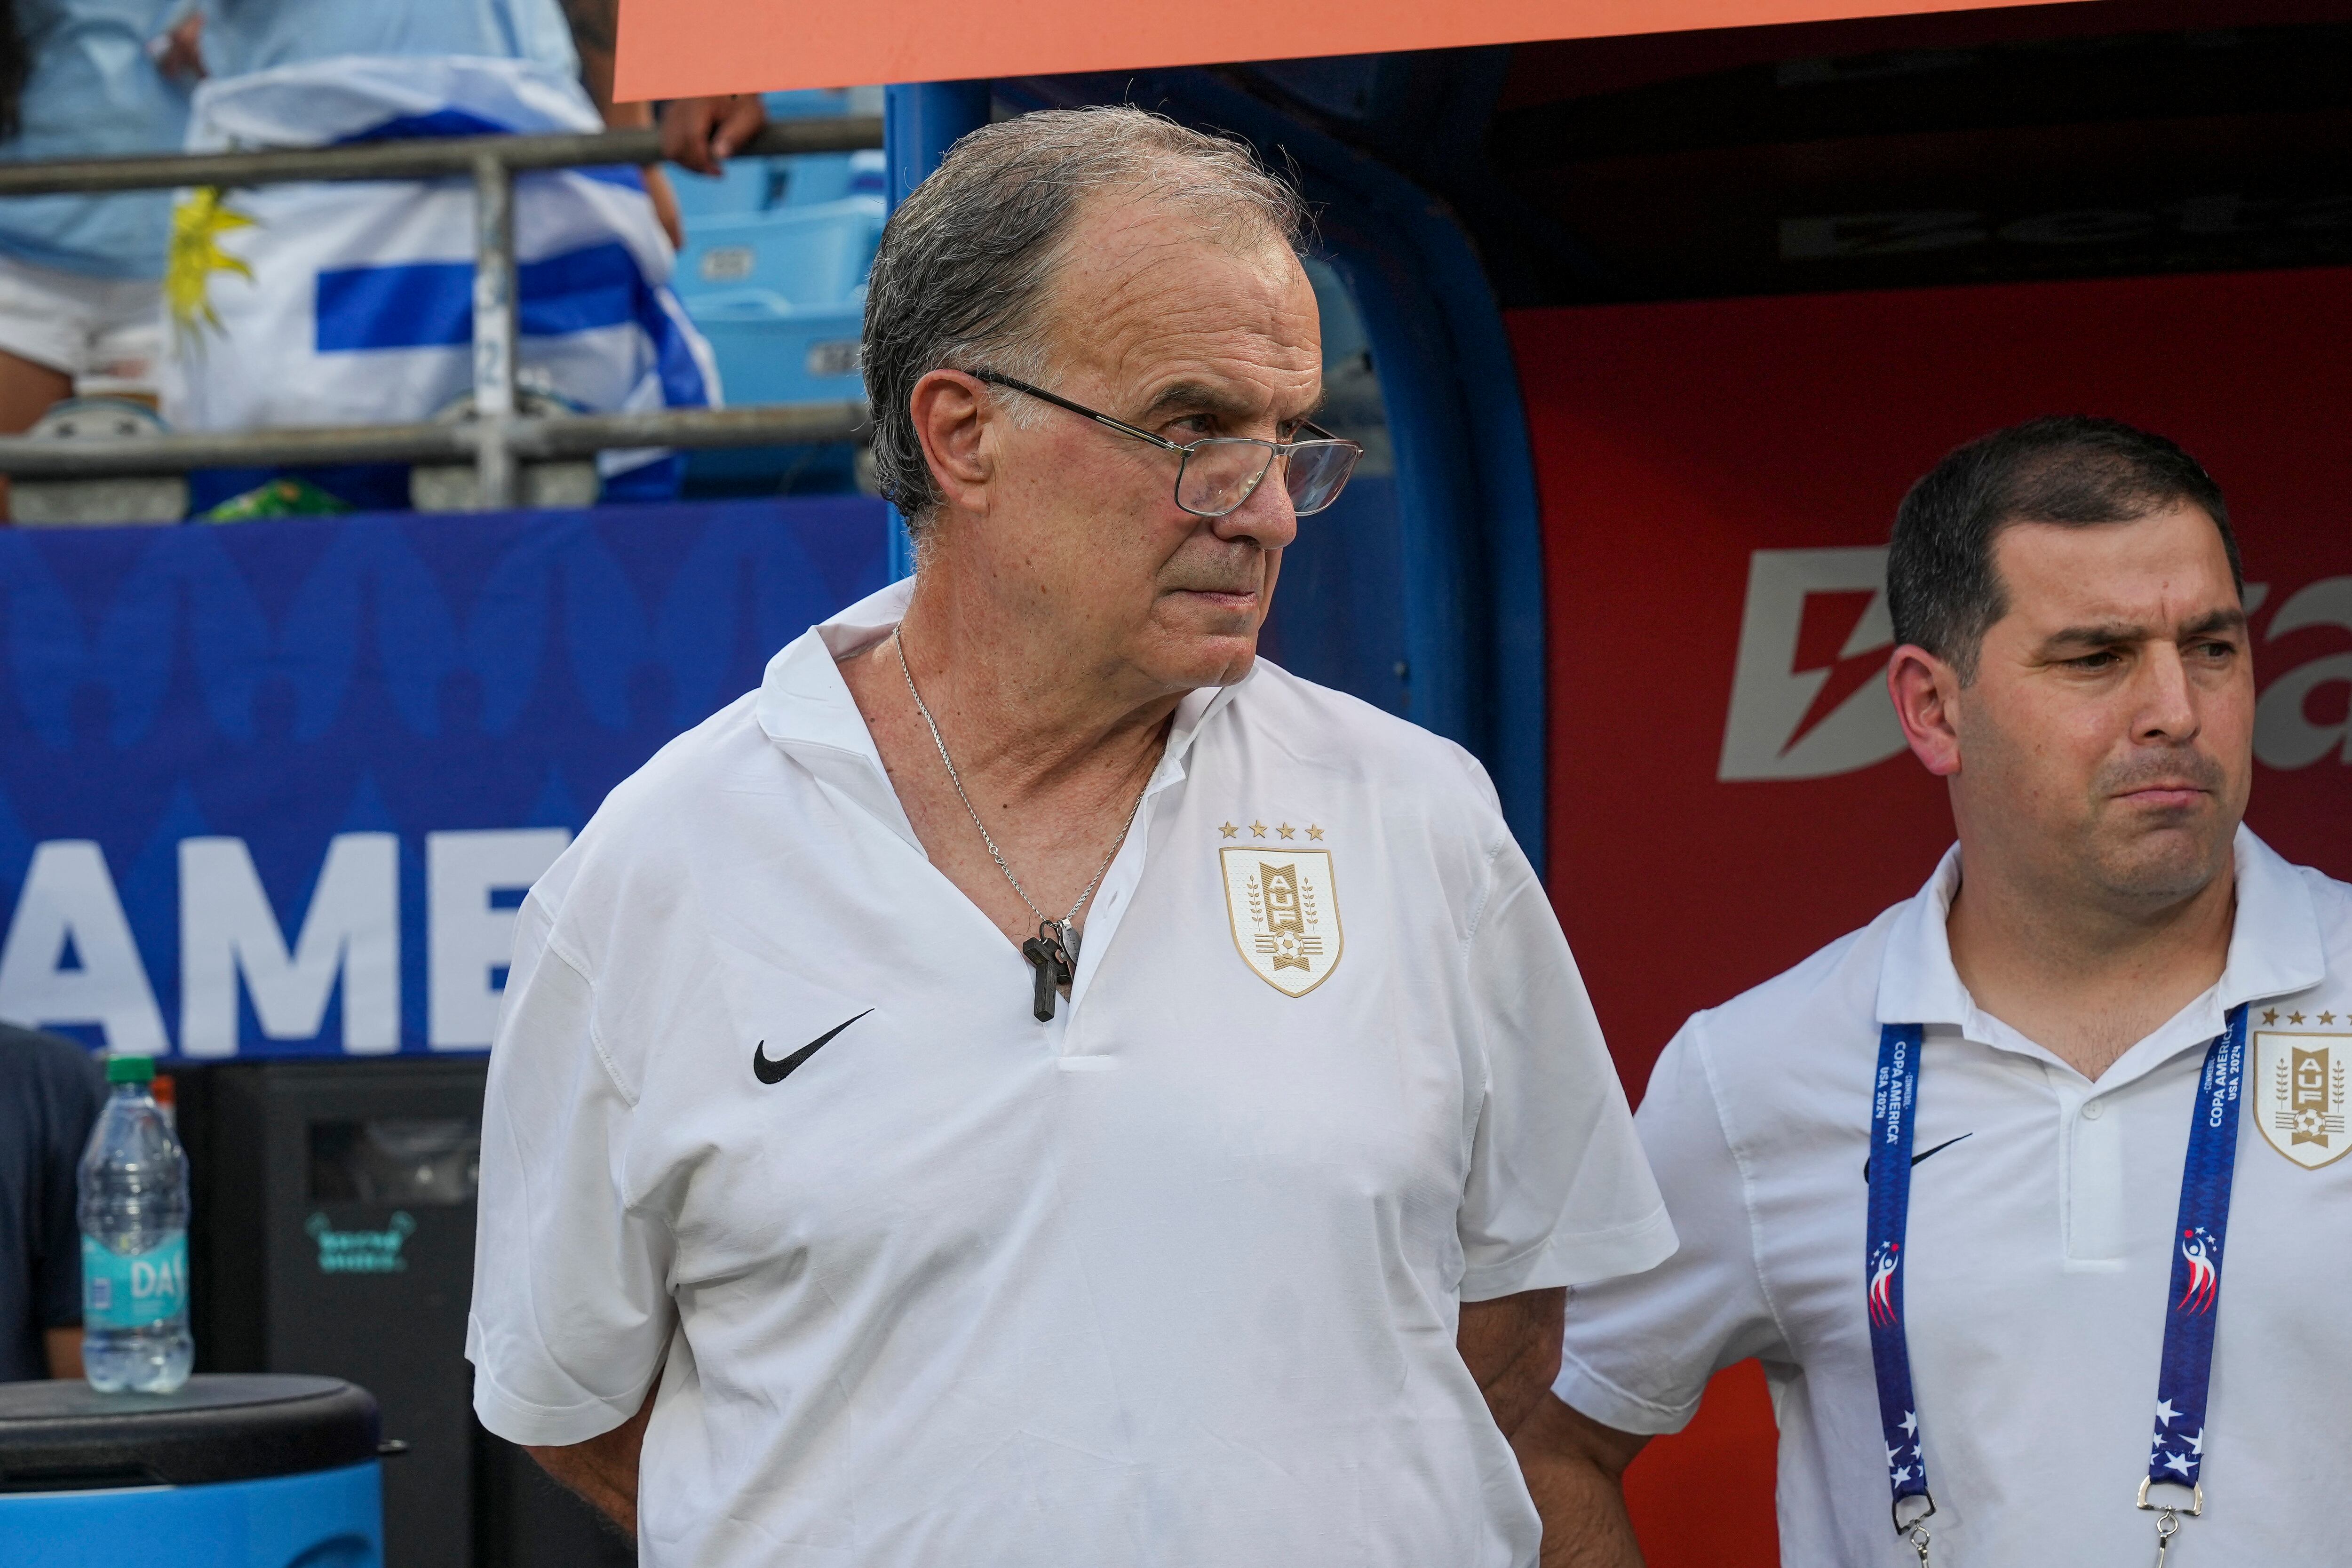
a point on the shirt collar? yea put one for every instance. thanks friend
(1916, 982)
(2274, 946)
(805, 707)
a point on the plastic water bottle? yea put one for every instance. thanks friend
(134, 1242)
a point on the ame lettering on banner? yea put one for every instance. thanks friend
(278, 788)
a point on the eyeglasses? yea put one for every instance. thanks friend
(1220, 472)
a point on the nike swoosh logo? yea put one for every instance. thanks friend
(768, 1072)
(1916, 1158)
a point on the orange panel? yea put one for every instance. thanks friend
(677, 48)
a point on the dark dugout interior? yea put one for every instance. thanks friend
(2125, 137)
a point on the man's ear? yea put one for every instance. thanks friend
(953, 414)
(1927, 693)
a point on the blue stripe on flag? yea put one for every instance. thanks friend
(620, 174)
(430, 304)
(440, 122)
(579, 290)
(681, 373)
(416, 305)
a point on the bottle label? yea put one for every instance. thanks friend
(132, 1290)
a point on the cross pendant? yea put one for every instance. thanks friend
(1046, 953)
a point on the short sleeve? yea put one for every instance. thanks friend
(1559, 1193)
(571, 1314)
(1639, 1352)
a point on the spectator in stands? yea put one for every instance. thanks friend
(352, 304)
(575, 37)
(80, 297)
(50, 1092)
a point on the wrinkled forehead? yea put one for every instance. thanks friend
(2157, 571)
(1150, 289)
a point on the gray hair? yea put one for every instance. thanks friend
(964, 278)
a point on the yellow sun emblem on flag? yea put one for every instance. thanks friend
(198, 221)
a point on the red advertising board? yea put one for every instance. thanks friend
(1728, 790)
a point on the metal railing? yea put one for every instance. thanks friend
(497, 439)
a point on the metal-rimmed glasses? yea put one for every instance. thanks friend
(1218, 473)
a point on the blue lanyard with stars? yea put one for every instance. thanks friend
(2192, 1303)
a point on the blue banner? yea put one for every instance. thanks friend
(277, 788)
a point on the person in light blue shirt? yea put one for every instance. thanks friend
(247, 36)
(253, 303)
(80, 294)
(572, 36)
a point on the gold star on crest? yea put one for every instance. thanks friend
(1228, 829)
(2294, 1017)
(2327, 1017)
(1287, 831)
(2270, 1015)
(1257, 830)
(1314, 832)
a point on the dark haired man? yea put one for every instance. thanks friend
(2121, 1025)
(50, 1095)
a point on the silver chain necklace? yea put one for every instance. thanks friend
(1054, 950)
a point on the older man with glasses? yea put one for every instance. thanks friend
(1033, 1084)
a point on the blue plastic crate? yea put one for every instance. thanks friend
(777, 285)
(770, 351)
(749, 186)
(812, 257)
(741, 186)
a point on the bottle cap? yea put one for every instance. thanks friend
(130, 1069)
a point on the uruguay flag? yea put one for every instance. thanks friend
(350, 303)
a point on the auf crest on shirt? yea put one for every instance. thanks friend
(2303, 1056)
(1284, 907)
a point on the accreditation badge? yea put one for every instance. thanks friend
(1284, 911)
(2299, 1089)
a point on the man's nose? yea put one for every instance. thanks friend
(2167, 698)
(1266, 518)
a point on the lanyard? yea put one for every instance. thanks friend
(2192, 1304)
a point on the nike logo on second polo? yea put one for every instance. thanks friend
(768, 1072)
(1916, 1158)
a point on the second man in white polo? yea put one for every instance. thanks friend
(2022, 1193)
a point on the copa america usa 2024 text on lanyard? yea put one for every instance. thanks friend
(2192, 1303)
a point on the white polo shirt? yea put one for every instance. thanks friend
(2038, 1257)
(1172, 1280)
